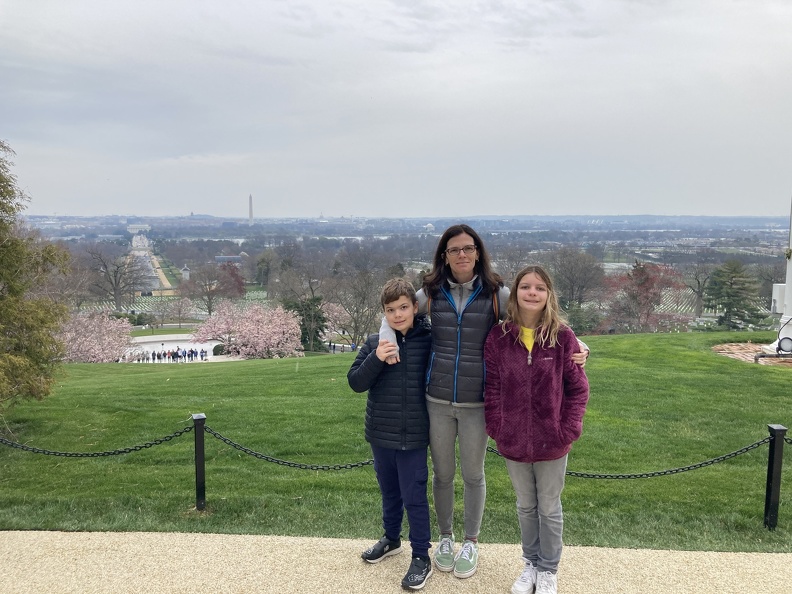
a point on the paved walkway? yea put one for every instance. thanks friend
(151, 563)
(747, 351)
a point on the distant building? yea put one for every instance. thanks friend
(185, 273)
(137, 228)
(233, 259)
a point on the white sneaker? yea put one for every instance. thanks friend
(546, 583)
(527, 580)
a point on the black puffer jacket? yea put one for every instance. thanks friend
(396, 416)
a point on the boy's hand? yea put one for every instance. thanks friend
(387, 352)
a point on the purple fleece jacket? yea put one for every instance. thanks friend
(534, 411)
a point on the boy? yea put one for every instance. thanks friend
(397, 426)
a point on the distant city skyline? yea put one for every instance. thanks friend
(393, 109)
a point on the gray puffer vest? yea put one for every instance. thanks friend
(456, 368)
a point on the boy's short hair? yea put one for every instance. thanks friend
(395, 288)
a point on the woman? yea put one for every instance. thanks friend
(535, 401)
(464, 298)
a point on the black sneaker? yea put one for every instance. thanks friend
(419, 572)
(385, 547)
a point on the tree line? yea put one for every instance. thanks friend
(330, 285)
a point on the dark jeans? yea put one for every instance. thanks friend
(402, 477)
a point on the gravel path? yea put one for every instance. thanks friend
(137, 562)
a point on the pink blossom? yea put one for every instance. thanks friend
(253, 331)
(95, 338)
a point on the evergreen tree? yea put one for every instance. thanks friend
(312, 321)
(733, 292)
(29, 351)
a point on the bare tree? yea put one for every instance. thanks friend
(178, 309)
(72, 285)
(356, 286)
(210, 283)
(575, 274)
(769, 275)
(301, 290)
(696, 276)
(266, 262)
(510, 259)
(118, 275)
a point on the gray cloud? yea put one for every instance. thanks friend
(352, 107)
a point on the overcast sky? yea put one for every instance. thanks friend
(399, 108)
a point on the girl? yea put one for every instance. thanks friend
(534, 400)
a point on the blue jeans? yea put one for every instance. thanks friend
(448, 423)
(403, 476)
(538, 487)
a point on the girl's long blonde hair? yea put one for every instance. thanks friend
(552, 319)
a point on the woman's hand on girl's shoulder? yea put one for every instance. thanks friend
(580, 358)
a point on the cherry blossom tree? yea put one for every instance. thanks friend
(252, 331)
(95, 338)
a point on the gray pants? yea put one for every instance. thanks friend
(447, 424)
(538, 487)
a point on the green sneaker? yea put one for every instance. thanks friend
(466, 560)
(444, 554)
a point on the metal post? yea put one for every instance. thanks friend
(199, 421)
(773, 490)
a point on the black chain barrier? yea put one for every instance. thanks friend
(299, 465)
(772, 495)
(660, 472)
(348, 466)
(118, 452)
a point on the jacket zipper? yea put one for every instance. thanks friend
(450, 300)
(404, 393)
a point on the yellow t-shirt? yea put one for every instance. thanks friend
(527, 337)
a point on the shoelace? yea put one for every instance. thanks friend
(545, 579)
(528, 574)
(445, 546)
(467, 551)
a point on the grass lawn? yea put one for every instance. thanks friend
(657, 402)
(187, 328)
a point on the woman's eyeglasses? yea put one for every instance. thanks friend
(454, 251)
